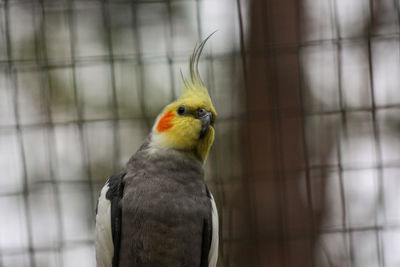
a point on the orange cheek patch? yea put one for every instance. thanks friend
(165, 122)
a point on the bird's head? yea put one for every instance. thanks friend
(187, 124)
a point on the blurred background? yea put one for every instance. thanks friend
(305, 167)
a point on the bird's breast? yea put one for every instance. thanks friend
(163, 221)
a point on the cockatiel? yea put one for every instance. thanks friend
(157, 211)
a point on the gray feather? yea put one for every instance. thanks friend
(163, 210)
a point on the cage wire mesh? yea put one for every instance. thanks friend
(82, 81)
(336, 151)
(350, 61)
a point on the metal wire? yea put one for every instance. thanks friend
(224, 173)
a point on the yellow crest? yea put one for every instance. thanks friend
(194, 87)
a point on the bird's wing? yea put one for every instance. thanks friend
(108, 222)
(213, 245)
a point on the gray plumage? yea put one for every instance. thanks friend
(165, 209)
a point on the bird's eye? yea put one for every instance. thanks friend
(202, 112)
(181, 110)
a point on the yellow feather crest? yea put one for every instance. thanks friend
(194, 87)
(195, 82)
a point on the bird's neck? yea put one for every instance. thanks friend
(199, 151)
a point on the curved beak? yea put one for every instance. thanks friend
(205, 124)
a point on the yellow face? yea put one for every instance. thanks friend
(187, 124)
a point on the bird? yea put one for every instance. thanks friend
(157, 211)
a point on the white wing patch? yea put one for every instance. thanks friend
(104, 243)
(213, 254)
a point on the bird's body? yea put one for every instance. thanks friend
(158, 211)
(166, 211)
